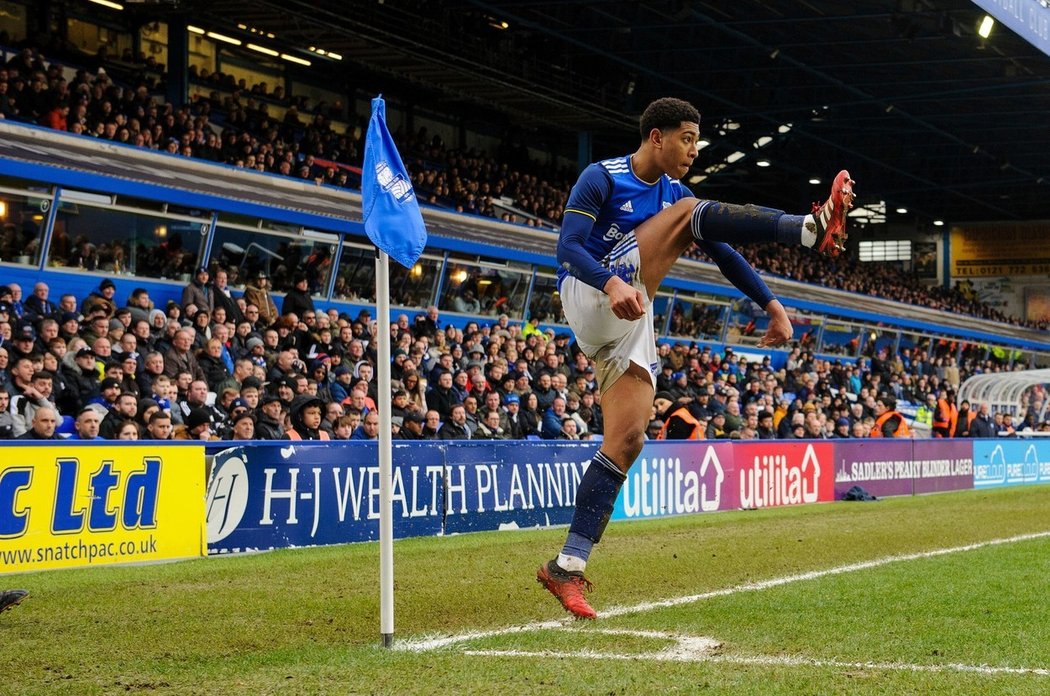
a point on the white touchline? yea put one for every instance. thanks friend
(433, 643)
(687, 648)
(766, 661)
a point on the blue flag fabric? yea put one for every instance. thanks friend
(391, 213)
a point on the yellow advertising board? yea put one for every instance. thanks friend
(74, 506)
(1000, 249)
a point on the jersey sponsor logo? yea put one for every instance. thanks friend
(613, 233)
(665, 205)
(627, 207)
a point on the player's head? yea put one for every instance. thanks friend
(670, 129)
(667, 114)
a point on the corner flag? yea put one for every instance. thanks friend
(394, 224)
(391, 214)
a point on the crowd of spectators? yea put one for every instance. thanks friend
(219, 366)
(232, 125)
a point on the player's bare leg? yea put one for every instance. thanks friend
(627, 406)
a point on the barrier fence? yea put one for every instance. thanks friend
(67, 506)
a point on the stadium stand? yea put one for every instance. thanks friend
(232, 124)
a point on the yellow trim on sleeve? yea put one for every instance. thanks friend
(581, 212)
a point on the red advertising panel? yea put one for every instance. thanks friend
(774, 473)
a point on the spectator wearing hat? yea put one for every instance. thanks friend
(514, 424)
(242, 427)
(298, 301)
(198, 293)
(412, 424)
(80, 375)
(268, 418)
(196, 426)
(716, 428)
(841, 428)
(257, 294)
(23, 342)
(38, 306)
(101, 299)
(653, 430)
(340, 385)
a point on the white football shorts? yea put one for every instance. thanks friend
(611, 342)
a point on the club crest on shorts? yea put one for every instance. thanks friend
(652, 367)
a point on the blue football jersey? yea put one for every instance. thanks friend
(609, 193)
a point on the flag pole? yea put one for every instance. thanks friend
(394, 224)
(386, 480)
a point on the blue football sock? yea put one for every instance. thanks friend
(595, 498)
(743, 224)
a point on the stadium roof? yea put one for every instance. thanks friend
(927, 115)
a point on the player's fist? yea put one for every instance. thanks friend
(780, 329)
(625, 301)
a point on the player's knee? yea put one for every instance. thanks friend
(683, 213)
(633, 440)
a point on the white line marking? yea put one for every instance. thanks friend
(433, 643)
(686, 648)
(767, 661)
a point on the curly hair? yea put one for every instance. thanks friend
(667, 113)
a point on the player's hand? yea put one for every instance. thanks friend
(780, 329)
(625, 301)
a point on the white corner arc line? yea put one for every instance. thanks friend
(435, 642)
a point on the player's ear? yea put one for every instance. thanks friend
(656, 138)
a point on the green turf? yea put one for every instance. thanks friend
(306, 621)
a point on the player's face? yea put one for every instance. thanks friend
(679, 149)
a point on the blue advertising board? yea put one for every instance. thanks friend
(513, 485)
(1010, 462)
(296, 494)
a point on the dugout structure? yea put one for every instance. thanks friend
(1008, 392)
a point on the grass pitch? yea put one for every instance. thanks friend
(306, 621)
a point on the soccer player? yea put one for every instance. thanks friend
(626, 222)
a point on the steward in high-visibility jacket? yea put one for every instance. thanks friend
(947, 415)
(924, 414)
(888, 422)
(683, 424)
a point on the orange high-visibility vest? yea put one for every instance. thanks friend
(684, 414)
(901, 431)
(949, 411)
